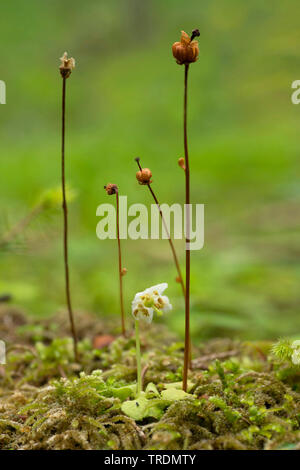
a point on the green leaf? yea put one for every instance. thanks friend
(151, 390)
(136, 409)
(178, 385)
(173, 394)
(142, 407)
(123, 392)
(156, 411)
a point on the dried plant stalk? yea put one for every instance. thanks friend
(113, 189)
(187, 342)
(186, 52)
(121, 270)
(65, 70)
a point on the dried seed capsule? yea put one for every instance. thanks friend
(111, 189)
(144, 176)
(187, 50)
(66, 66)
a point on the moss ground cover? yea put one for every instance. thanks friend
(239, 395)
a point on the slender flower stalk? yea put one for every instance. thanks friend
(144, 178)
(113, 189)
(143, 307)
(138, 358)
(187, 251)
(185, 52)
(65, 69)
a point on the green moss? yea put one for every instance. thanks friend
(239, 398)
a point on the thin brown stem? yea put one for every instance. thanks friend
(180, 277)
(120, 269)
(187, 235)
(65, 213)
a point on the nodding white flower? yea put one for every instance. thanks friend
(145, 303)
(296, 352)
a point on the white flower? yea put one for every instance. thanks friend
(296, 352)
(145, 303)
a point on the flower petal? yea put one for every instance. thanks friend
(185, 38)
(160, 288)
(167, 306)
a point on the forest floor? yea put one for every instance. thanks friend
(239, 396)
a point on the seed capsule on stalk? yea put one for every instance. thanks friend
(144, 176)
(186, 50)
(66, 66)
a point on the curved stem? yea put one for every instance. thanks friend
(180, 277)
(65, 212)
(138, 358)
(187, 251)
(120, 268)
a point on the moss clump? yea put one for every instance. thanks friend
(240, 396)
(81, 413)
(232, 409)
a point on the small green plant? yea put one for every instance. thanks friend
(283, 349)
(113, 189)
(186, 52)
(152, 403)
(144, 305)
(287, 350)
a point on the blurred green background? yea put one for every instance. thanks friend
(125, 100)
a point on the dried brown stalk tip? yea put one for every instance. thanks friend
(144, 176)
(66, 66)
(111, 189)
(181, 163)
(187, 50)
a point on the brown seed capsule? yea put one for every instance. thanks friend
(124, 271)
(144, 176)
(66, 66)
(111, 189)
(186, 51)
(181, 163)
